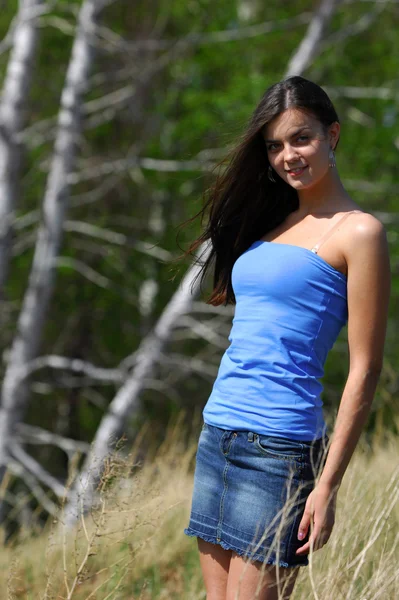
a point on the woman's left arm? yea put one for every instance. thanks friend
(368, 293)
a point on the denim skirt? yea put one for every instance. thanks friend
(250, 492)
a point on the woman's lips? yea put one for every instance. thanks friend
(296, 173)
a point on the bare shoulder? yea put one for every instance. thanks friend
(366, 241)
(366, 226)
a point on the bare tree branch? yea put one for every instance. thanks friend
(118, 238)
(94, 231)
(348, 91)
(85, 270)
(75, 365)
(18, 470)
(23, 243)
(361, 25)
(36, 435)
(37, 471)
(215, 37)
(124, 164)
(94, 195)
(191, 365)
(103, 375)
(202, 330)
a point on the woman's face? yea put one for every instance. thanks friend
(296, 140)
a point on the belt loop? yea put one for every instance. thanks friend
(250, 436)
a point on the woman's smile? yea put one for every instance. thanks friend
(297, 172)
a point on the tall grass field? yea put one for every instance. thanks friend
(132, 545)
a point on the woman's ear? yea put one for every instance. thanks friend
(333, 134)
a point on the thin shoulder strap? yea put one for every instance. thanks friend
(325, 237)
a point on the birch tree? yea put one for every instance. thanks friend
(126, 402)
(13, 101)
(26, 344)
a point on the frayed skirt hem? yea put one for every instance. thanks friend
(251, 556)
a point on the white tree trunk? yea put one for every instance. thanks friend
(307, 50)
(15, 390)
(126, 402)
(14, 95)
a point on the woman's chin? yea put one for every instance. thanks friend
(302, 183)
(298, 184)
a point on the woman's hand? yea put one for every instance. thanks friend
(320, 508)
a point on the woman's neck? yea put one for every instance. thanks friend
(327, 195)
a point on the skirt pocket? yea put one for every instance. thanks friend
(278, 447)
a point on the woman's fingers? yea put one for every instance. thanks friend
(304, 526)
(317, 539)
(305, 549)
(305, 521)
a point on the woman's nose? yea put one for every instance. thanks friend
(290, 153)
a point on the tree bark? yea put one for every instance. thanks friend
(14, 96)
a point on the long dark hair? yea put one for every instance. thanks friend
(243, 203)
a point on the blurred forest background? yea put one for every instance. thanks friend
(112, 117)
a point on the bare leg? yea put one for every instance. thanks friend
(257, 581)
(215, 564)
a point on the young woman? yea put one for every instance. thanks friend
(299, 259)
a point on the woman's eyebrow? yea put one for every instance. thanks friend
(293, 134)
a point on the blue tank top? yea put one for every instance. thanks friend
(290, 307)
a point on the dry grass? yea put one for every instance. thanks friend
(133, 547)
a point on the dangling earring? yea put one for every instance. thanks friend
(331, 159)
(270, 174)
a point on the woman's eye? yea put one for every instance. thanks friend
(274, 146)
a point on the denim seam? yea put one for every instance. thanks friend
(221, 508)
(225, 484)
(288, 547)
